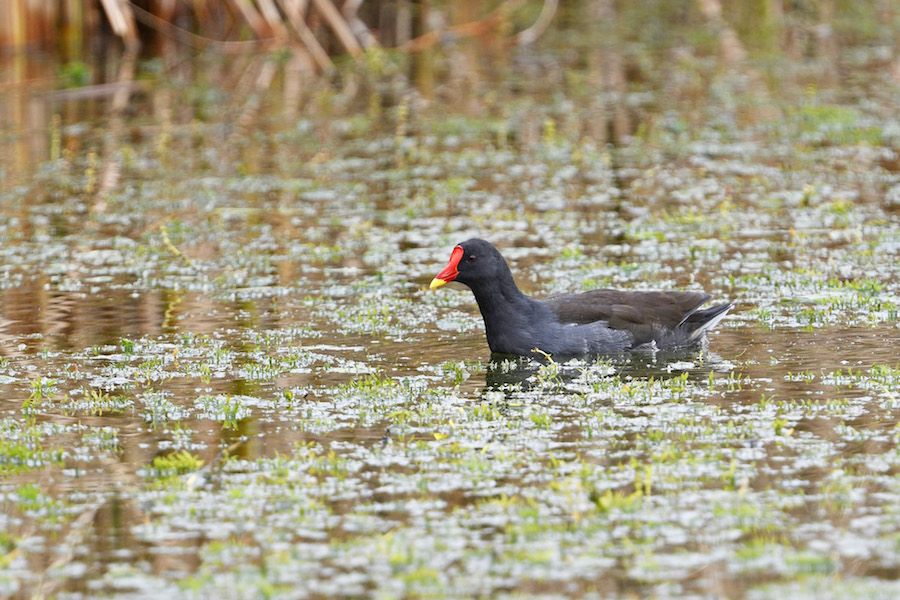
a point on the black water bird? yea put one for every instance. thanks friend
(593, 322)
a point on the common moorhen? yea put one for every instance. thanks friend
(594, 322)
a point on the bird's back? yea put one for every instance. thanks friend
(667, 319)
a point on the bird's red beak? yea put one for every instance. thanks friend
(450, 271)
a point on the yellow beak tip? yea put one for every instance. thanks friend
(436, 283)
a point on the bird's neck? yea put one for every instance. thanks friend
(501, 295)
(508, 313)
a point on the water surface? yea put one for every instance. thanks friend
(222, 372)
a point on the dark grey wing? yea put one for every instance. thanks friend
(642, 314)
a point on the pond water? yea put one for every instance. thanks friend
(222, 372)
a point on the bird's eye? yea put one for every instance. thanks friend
(471, 258)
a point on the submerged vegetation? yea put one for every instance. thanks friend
(223, 374)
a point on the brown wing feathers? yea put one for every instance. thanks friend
(645, 315)
(621, 309)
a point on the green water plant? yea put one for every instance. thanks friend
(166, 470)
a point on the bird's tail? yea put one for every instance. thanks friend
(705, 320)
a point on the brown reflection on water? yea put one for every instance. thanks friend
(59, 320)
